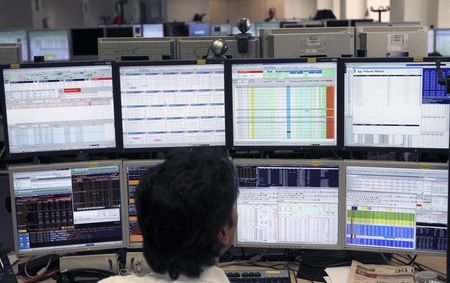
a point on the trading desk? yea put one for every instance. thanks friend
(435, 262)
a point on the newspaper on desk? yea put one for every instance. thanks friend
(374, 273)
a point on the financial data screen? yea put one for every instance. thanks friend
(396, 105)
(396, 208)
(59, 108)
(442, 44)
(152, 30)
(67, 208)
(284, 104)
(172, 105)
(52, 44)
(134, 174)
(16, 36)
(287, 205)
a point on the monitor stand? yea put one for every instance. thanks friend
(83, 157)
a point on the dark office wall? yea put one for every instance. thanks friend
(16, 14)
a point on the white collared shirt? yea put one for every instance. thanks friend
(210, 274)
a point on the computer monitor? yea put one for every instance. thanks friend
(191, 48)
(355, 22)
(307, 42)
(171, 104)
(10, 53)
(396, 206)
(431, 41)
(337, 23)
(154, 49)
(443, 41)
(119, 31)
(288, 203)
(199, 29)
(152, 30)
(55, 108)
(85, 42)
(175, 29)
(133, 170)
(392, 41)
(52, 44)
(221, 29)
(16, 36)
(395, 104)
(67, 207)
(281, 103)
(6, 236)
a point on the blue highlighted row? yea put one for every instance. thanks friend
(380, 243)
(392, 232)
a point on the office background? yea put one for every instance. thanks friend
(90, 13)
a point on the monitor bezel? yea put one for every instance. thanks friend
(341, 78)
(385, 164)
(54, 65)
(117, 90)
(61, 250)
(319, 163)
(229, 104)
(126, 222)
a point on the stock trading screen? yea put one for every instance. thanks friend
(414, 107)
(287, 205)
(396, 208)
(59, 108)
(173, 105)
(284, 104)
(134, 174)
(70, 209)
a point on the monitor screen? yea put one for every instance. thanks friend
(395, 105)
(119, 31)
(52, 44)
(152, 30)
(221, 29)
(16, 36)
(67, 207)
(288, 205)
(85, 41)
(134, 170)
(443, 41)
(402, 209)
(50, 108)
(175, 29)
(170, 105)
(198, 29)
(280, 103)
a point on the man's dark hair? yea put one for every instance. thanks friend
(182, 205)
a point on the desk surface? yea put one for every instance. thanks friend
(438, 263)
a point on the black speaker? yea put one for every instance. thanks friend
(6, 236)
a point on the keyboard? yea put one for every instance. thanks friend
(260, 276)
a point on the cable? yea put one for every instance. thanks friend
(40, 272)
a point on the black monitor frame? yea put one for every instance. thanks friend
(229, 103)
(341, 78)
(55, 152)
(118, 104)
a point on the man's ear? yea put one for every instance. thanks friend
(225, 236)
